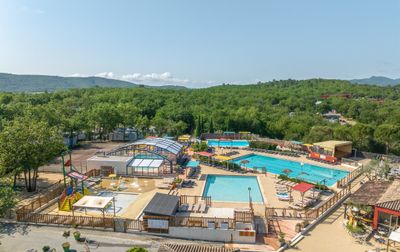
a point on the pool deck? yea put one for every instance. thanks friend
(146, 188)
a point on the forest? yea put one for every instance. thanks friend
(284, 109)
(32, 124)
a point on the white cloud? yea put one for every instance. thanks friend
(77, 75)
(157, 78)
(165, 78)
(109, 75)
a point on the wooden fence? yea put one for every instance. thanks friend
(315, 213)
(343, 182)
(52, 193)
(56, 219)
(203, 222)
(42, 200)
(186, 199)
(287, 213)
(244, 216)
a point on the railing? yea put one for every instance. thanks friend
(315, 213)
(134, 224)
(42, 200)
(65, 220)
(244, 216)
(186, 199)
(285, 213)
(343, 182)
(202, 222)
(93, 173)
(54, 192)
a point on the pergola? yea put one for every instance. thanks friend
(303, 188)
(94, 203)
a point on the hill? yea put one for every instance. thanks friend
(377, 80)
(41, 83)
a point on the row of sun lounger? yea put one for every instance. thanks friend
(166, 183)
(199, 207)
(286, 183)
(194, 172)
(231, 153)
(284, 153)
(282, 192)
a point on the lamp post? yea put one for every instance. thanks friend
(250, 205)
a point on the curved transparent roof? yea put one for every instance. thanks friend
(166, 144)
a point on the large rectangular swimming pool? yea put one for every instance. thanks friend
(232, 188)
(311, 173)
(227, 143)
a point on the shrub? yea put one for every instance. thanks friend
(355, 230)
(262, 145)
(202, 146)
(136, 249)
(296, 180)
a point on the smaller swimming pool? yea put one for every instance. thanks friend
(122, 201)
(233, 188)
(227, 143)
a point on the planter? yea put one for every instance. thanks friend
(77, 235)
(66, 246)
(46, 248)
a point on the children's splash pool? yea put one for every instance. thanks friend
(122, 201)
(311, 173)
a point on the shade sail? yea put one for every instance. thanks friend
(395, 235)
(222, 158)
(77, 175)
(93, 202)
(302, 187)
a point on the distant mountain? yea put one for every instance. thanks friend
(377, 80)
(41, 83)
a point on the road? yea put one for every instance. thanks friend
(23, 238)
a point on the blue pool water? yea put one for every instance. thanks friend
(232, 188)
(310, 173)
(227, 143)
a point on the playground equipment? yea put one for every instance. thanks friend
(72, 193)
(319, 154)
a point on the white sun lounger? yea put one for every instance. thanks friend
(196, 207)
(202, 208)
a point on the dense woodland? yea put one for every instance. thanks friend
(31, 125)
(279, 109)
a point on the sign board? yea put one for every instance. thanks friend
(157, 224)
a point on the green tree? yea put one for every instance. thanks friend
(7, 195)
(211, 126)
(389, 135)
(26, 147)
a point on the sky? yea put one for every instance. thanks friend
(201, 43)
